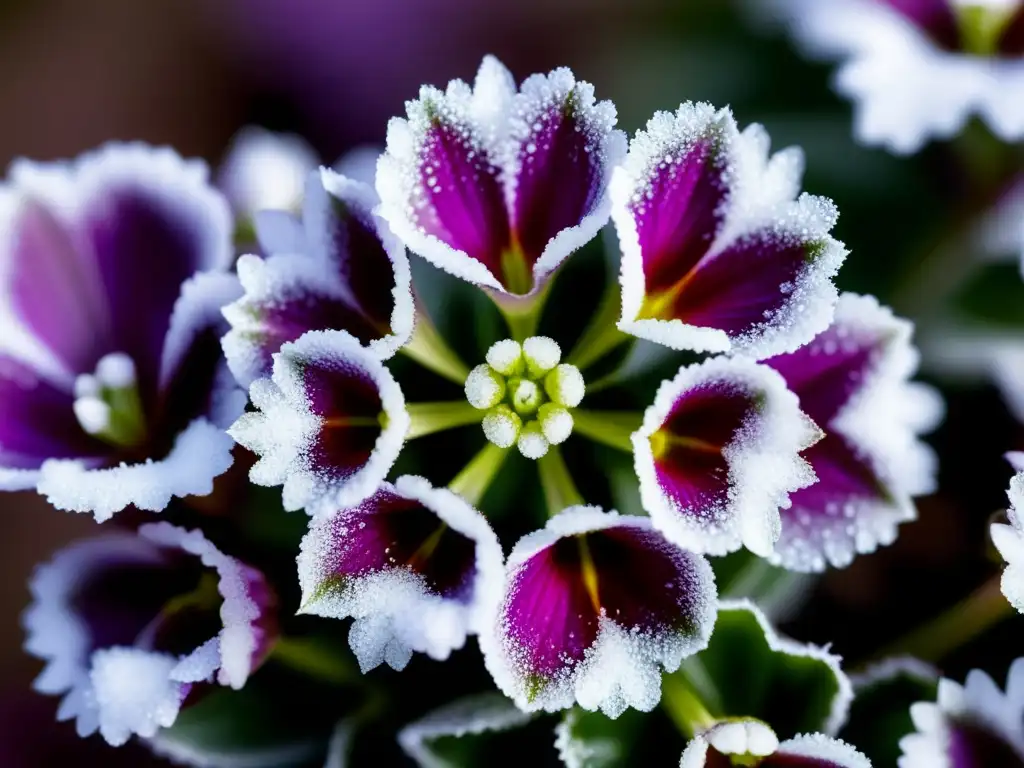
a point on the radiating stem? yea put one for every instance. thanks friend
(559, 489)
(684, 706)
(431, 351)
(474, 480)
(522, 313)
(614, 428)
(602, 335)
(966, 620)
(428, 418)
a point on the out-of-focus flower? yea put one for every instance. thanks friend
(718, 455)
(1009, 539)
(918, 69)
(595, 607)
(971, 725)
(329, 423)
(718, 253)
(416, 566)
(499, 186)
(340, 268)
(130, 624)
(751, 742)
(853, 381)
(112, 388)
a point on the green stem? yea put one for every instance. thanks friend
(522, 313)
(312, 657)
(474, 480)
(559, 489)
(431, 351)
(602, 335)
(614, 428)
(684, 706)
(966, 620)
(428, 418)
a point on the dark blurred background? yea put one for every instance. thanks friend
(76, 73)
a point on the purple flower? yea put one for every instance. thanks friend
(329, 425)
(499, 186)
(853, 381)
(130, 624)
(415, 566)
(969, 726)
(265, 171)
(340, 268)
(113, 272)
(595, 607)
(718, 253)
(718, 455)
(754, 743)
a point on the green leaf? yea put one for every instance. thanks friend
(472, 731)
(777, 592)
(880, 713)
(749, 671)
(992, 296)
(593, 740)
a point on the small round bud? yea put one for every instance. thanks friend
(502, 425)
(565, 386)
(525, 395)
(86, 385)
(484, 387)
(555, 422)
(506, 357)
(116, 371)
(532, 443)
(541, 355)
(92, 413)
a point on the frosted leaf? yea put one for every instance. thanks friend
(759, 455)
(379, 563)
(314, 380)
(606, 657)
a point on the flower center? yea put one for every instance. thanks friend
(107, 403)
(982, 23)
(527, 393)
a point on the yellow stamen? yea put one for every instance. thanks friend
(589, 573)
(663, 441)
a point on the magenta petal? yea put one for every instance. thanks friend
(55, 290)
(935, 18)
(975, 746)
(37, 421)
(779, 760)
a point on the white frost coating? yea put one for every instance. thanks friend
(505, 357)
(265, 170)
(622, 668)
(556, 423)
(395, 614)
(731, 737)
(979, 702)
(283, 431)
(541, 355)
(239, 639)
(171, 746)
(201, 452)
(565, 385)
(134, 692)
(482, 713)
(583, 753)
(484, 387)
(1009, 540)
(763, 460)
(762, 197)
(532, 443)
(935, 91)
(821, 747)
(360, 163)
(840, 705)
(882, 421)
(501, 426)
(501, 124)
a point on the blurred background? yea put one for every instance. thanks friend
(190, 73)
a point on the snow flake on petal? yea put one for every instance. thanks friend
(718, 455)
(595, 608)
(719, 253)
(330, 423)
(853, 381)
(415, 566)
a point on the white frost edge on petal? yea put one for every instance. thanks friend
(537, 95)
(485, 109)
(265, 170)
(840, 706)
(936, 91)
(53, 630)
(363, 198)
(821, 747)
(763, 459)
(883, 420)
(168, 745)
(579, 753)
(622, 669)
(283, 429)
(468, 716)
(979, 701)
(239, 612)
(1009, 541)
(201, 452)
(892, 667)
(395, 615)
